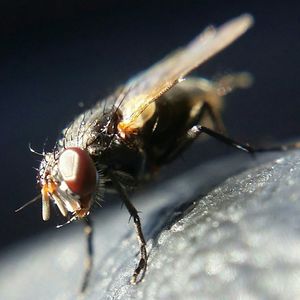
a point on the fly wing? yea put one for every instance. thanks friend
(146, 87)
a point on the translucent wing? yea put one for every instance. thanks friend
(145, 88)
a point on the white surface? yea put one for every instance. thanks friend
(241, 240)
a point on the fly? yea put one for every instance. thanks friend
(145, 124)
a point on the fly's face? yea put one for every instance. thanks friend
(69, 178)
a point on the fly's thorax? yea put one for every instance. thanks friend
(69, 178)
(93, 130)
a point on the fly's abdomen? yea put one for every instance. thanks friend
(191, 102)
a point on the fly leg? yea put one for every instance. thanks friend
(88, 264)
(195, 131)
(140, 270)
(215, 116)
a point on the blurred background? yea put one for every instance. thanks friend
(57, 55)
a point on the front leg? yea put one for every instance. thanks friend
(88, 264)
(140, 270)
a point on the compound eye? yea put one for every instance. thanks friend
(78, 171)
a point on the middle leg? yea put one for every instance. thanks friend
(140, 270)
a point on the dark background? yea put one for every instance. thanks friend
(56, 54)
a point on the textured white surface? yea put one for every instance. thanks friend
(239, 241)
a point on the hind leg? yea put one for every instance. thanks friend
(195, 131)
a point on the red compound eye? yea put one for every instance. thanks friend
(78, 171)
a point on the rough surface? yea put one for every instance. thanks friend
(240, 240)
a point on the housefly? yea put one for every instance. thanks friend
(145, 124)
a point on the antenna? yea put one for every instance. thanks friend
(29, 202)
